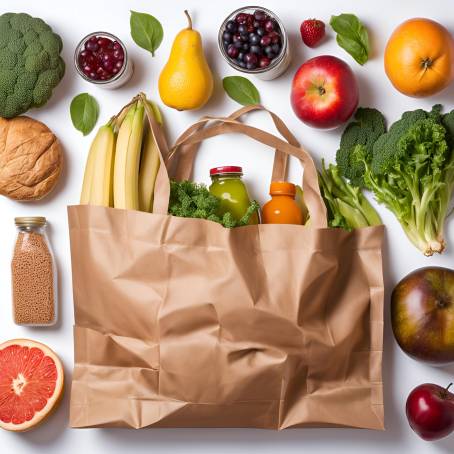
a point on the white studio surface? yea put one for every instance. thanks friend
(72, 21)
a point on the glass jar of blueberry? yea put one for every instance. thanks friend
(253, 40)
(102, 59)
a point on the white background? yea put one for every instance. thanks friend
(73, 20)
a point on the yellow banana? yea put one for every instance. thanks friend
(102, 184)
(149, 165)
(127, 158)
(102, 143)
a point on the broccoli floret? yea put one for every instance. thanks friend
(30, 63)
(357, 141)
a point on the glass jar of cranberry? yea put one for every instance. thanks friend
(101, 58)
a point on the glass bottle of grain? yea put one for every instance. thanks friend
(34, 282)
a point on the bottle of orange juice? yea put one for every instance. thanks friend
(282, 208)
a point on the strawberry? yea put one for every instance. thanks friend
(312, 31)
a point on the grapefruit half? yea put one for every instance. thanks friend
(31, 383)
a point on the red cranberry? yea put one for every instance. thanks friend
(269, 25)
(119, 65)
(119, 54)
(251, 59)
(264, 62)
(241, 18)
(265, 41)
(232, 51)
(104, 42)
(275, 38)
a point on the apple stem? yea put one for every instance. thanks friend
(447, 387)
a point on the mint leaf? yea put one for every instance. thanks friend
(146, 31)
(241, 90)
(84, 112)
(352, 36)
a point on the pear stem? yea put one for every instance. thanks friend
(189, 19)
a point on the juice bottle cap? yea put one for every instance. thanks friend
(282, 188)
(226, 170)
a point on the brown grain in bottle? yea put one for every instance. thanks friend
(32, 280)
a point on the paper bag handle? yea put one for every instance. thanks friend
(196, 134)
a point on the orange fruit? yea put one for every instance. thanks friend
(419, 57)
(31, 383)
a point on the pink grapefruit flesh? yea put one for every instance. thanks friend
(31, 383)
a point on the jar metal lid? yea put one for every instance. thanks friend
(38, 221)
(225, 170)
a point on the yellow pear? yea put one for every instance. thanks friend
(186, 81)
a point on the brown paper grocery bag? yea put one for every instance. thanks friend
(184, 323)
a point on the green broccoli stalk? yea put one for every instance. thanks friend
(192, 200)
(411, 172)
(30, 63)
(346, 204)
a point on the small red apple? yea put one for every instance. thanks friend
(324, 92)
(430, 411)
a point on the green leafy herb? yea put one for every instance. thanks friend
(352, 36)
(241, 90)
(84, 113)
(146, 31)
(192, 200)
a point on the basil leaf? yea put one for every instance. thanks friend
(352, 36)
(146, 31)
(241, 90)
(84, 112)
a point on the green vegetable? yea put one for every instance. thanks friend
(84, 112)
(352, 36)
(192, 200)
(411, 172)
(241, 90)
(359, 138)
(146, 31)
(347, 207)
(30, 63)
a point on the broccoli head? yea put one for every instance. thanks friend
(357, 143)
(30, 63)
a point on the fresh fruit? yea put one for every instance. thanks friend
(430, 411)
(419, 58)
(101, 58)
(312, 31)
(324, 92)
(186, 81)
(149, 165)
(31, 383)
(422, 314)
(260, 37)
(127, 158)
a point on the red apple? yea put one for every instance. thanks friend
(422, 315)
(324, 92)
(430, 411)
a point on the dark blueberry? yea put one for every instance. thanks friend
(269, 25)
(245, 47)
(251, 66)
(251, 59)
(242, 64)
(254, 38)
(259, 15)
(241, 56)
(265, 41)
(236, 38)
(226, 43)
(232, 51)
(242, 29)
(261, 31)
(268, 50)
(276, 48)
(226, 36)
(256, 49)
(238, 44)
(244, 38)
(256, 24)
(271, 55)
(241, 18)
(264, 62)
(231, 26)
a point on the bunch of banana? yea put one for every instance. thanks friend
(123, 160)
